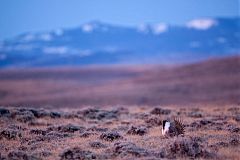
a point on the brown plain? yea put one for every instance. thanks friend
(215, 81)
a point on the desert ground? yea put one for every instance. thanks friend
(211, 132)
(116, 112)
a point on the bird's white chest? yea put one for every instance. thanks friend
(165, 129)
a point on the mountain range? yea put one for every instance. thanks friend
(97, 43)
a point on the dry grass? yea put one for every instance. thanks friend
(212, 132)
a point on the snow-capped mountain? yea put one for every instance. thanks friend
(100, 43)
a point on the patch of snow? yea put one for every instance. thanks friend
(201, 24)
(58, 32)
(87, 28)
(84, 53)
(195, 44)
(46, 37)
(28, 37)
(19, 47)
(63, 50)
(55, 50)
(160, 28)
(79, 52)
(143, 28)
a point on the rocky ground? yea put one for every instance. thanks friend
(211, 132)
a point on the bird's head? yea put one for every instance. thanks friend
(165, 126)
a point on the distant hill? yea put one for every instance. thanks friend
(215, 81)
(99, 43)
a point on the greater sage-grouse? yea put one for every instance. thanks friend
(172, 128)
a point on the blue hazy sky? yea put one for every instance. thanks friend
(17, 16)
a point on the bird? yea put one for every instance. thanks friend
(172, 128)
